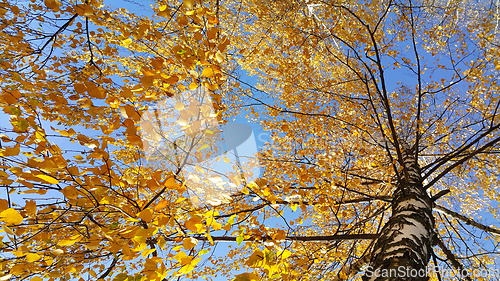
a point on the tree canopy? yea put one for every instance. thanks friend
(383, 152)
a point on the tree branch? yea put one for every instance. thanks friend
(467, 220)
(461, 161)
(352, 269)
(450, 156)
(110, 268)
(53, 36)
(451, 257)
(289, 238)
(310, 203)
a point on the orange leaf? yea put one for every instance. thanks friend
(4, 205)
(52, 4)
(162, 204)
(147, 81)
(70, 192)
(79, 88)
(170, 183)
(146, 215)
(189, 243)
(30, 208)
(10, 151)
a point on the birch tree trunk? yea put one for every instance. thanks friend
(403, 250)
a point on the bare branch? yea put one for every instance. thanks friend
(290, 238)
(451, 257)
(467, 220)
(110, 268)
(461, 161)
(352, 269)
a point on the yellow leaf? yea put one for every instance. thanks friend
(57, 252)
(8, 230)
(147, 252)
(126, 42)
(9, 98)
(48, 179)
(219, 57)
(193, 86)
(185, 269)
(212, 87)
(212, 33)
(207, 72)
(67, 133)
(36, 278)
(199, 169)
(31, 257)
(213, 223)
(180, 256)
(210, 239)
(189, 265)
(179, 200)
(126, 93)
(84, 10)
(213, 20)
(256, 259)
(203, 147)
(67, 242)
(189, 243)
(194, 224)
(177, 248)
(11, 217)
(40, 135)
(188, 3)
(285, 254)
(179, 105)
(146, 215)
(129, 111)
